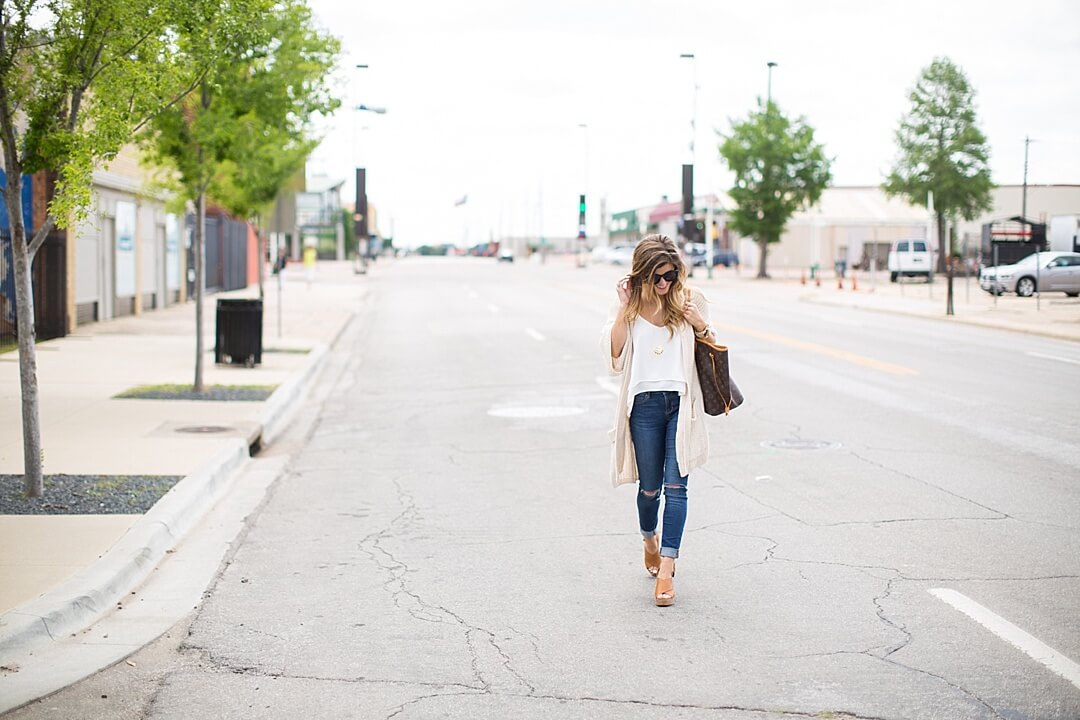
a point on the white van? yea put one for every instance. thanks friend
(911, 258)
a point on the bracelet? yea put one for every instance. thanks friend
(702, 333)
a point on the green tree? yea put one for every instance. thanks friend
(272, 99)
(941, 150)
(77, 79)
(778, 168)
(247, 129)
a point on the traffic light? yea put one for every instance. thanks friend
(581, 215)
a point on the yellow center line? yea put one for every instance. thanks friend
(820, 350)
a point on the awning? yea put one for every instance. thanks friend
(665, 211)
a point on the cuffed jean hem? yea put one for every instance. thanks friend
(672, 553)
(648, 534)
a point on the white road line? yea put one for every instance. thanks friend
(1054, 357)
(535, 335)
(493, 308)
(1005, 630)
(608, 384)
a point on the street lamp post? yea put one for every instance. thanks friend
(360, 210)
(582, 239)
(688, 204)
(768, 96)
(693, 117)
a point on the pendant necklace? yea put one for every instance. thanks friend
(658, 350)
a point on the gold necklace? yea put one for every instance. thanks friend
(658, 350)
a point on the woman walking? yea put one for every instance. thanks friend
(659, 434)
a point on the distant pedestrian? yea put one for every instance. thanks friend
(659, 434)
(282, 260)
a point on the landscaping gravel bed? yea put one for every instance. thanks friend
(241, 393)
(85, 494)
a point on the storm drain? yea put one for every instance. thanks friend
(797, 444)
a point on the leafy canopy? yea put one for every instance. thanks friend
(940, 146)
(778, 167)
(77, 79)
(248, 127)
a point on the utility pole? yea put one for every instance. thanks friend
(768, 96)
(582, 237)
(1023, 207)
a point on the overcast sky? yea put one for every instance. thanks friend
(484, 98)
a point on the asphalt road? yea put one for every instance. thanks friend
(888, 528)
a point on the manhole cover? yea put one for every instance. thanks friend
(205, 429)
(536, 412)
(790, 444)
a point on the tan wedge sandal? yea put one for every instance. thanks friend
(665, 591)
(652, 560)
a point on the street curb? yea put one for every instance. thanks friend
(275, 415)
(91, 592)
(1027, 330)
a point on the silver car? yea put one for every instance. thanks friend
(1044, 271)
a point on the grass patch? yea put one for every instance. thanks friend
(8, 346)
(237, 393)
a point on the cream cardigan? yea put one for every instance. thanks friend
(691, 437)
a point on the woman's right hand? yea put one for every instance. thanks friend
(623, 289)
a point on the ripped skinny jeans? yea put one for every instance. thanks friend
(653, 422)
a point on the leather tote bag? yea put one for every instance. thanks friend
(719, 391)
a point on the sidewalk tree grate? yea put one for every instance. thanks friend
(797, 444)
(86, 494)
(215, 393)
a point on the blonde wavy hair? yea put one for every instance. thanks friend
(652, 252)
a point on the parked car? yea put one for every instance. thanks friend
(727, 258)
(911, 258)
(621, 255)
(599, 254)
(699, 258)
(1044, 271)
(695, 253)
(506, 255)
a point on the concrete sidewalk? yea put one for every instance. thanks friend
(59, 573)
(1053, 315)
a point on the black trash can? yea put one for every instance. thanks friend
(239, 332)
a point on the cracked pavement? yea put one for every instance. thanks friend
(422, 558)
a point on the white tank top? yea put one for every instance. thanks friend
(657, 363)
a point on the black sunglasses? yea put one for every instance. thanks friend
(670, 276)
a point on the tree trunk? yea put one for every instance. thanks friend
(200, 285)
(260, 243)
(947, 253)
(944, 244)
(24, 300)
(763, 247)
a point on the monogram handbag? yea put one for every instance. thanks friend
(719, 391)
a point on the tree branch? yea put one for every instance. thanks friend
(178, 98)
(125, 53)
(40, 235)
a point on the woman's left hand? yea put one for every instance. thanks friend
(693, 316)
